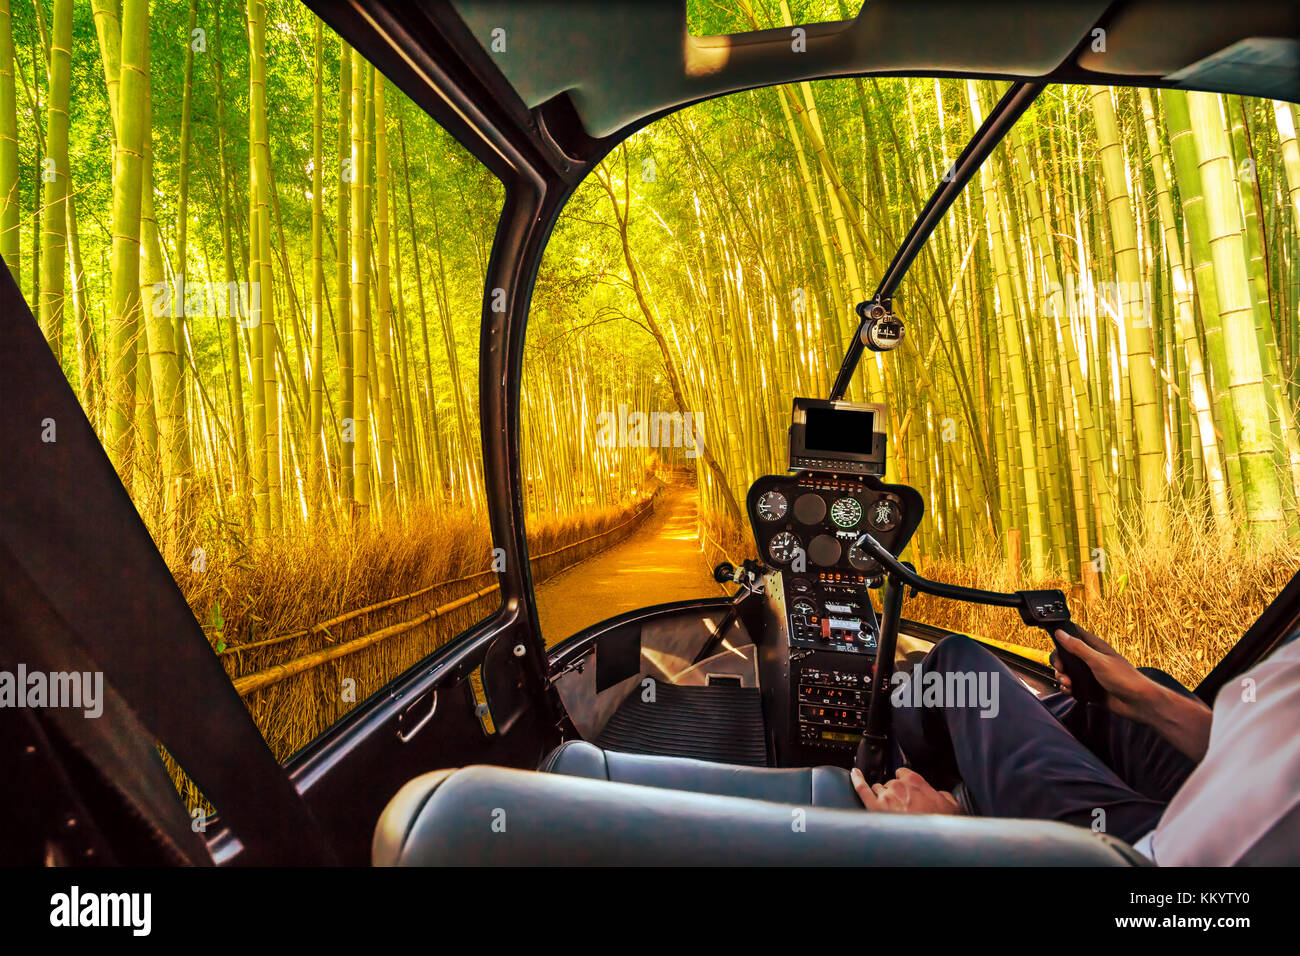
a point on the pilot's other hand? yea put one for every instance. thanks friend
(1128, 690)
(908, 792)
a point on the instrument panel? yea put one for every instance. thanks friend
(817, 600)
(816, 666)
(807, 523)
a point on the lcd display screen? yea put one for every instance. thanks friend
(839, 431)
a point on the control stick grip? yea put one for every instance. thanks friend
(1084, 685)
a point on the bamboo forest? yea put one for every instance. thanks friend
(262, 268)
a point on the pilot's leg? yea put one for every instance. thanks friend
(1015, 758)
(1142, 758)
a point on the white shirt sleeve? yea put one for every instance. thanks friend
(1241, 805)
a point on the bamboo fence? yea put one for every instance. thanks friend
(248, 683)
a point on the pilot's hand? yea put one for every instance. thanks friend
(1128, 690)
(908, 792)
(1180, 718)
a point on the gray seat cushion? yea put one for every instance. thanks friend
(497, 816)
(804, 786)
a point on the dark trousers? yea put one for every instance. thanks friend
(1048, 759)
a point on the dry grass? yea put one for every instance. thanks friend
(250, 593)
(290, 584)
(1177, 601)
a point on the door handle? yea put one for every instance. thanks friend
(433, 708)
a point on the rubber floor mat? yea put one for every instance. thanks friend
(720, 723)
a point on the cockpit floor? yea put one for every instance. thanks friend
(719, 723)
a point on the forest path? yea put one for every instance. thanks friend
(659, 562)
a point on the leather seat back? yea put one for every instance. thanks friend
(497, 816)
(806, 786)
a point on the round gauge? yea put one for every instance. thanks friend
(800, 586)
(771, 506)
(804, 607)
(863, 561)
(846, 512)
(884, 514)
(809, 509)
(824, 550)
(783, 547)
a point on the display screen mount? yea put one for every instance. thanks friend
(843, 437)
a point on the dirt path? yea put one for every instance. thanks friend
(660, 562)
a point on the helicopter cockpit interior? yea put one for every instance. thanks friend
(718, 729)
(714, 719)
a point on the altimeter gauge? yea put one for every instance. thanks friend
(846, 512)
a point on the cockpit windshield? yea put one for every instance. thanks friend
(1095, 389)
